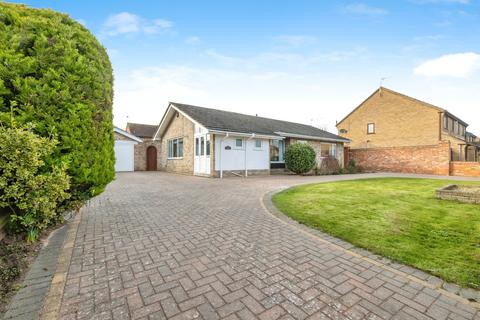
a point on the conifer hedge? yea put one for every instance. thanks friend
(56, 75)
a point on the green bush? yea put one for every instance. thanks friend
(56, 75)
(300, 158)
(30, 188)
(352, 167)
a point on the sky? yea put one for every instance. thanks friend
(303, 61)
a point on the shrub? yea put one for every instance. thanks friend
(30, 188)
(55, 74)
(300, 158)
(352, 167)
(329, 165)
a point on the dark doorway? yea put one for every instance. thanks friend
(151, 158)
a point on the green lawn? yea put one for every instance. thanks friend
(397, 218)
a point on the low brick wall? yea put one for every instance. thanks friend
(433, 159)
(465, 169)
(467, 194)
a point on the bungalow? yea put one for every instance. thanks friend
(210, 142)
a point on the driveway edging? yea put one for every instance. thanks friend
(434, 282)
(53, 301)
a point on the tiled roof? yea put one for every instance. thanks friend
(220, 120)
(142, 130)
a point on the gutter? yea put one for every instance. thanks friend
(243, 134)
(293, 135)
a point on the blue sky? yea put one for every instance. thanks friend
(304, 61)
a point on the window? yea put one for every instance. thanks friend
(197, 146)
(175, 148)
(445, 122)
(202, 146)
(239, 143)
(277, 150)
(462, 130)
(258, 144)
(208, 146)
(371, 128)
(333, 150)
(325, 150)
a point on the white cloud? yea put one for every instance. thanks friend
(129, 23)
(295, 40)
(459, 65)
(285, 60)
(193, 40)
(363, 9)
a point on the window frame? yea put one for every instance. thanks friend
(373, 126)
(175, 148)
(239, 147)
(256, 147)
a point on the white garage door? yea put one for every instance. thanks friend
(124, 155)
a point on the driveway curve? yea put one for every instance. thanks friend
(164, 246)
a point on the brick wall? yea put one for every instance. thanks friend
(316, 145)
(399, 121)
(433, 159)
(141, 154)
(179, 127)
(465, 169)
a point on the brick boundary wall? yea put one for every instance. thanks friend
(465, 169)
(432, 159)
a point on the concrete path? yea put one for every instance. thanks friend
(163, 246)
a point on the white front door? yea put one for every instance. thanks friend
(202, 154)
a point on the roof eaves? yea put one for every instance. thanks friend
(126, 134)
(294, 135)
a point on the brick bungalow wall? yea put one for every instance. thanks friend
(141, 154)
(316, 145)
(179, 127)
(433, 159)
(465, 169)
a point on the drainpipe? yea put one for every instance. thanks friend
(220, 155)
(246, 144)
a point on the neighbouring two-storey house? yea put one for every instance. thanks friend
(473, 147)
(390, 131)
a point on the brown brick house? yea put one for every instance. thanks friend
(390, 131)
(211, 142)
(473, 147)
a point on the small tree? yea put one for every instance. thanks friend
(30, 188)
(300, 158)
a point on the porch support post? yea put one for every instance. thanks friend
(246, 145)
(220, 155)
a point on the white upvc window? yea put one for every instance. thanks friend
(175, 148)
(371, 128)
(239, 143)
(258, 144)
(333, 150)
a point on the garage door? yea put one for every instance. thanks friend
(124, 155)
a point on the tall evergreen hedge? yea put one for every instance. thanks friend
(56, 75)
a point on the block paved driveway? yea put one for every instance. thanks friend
(163, 246)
